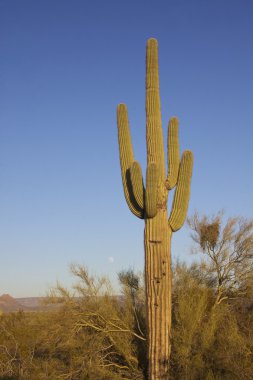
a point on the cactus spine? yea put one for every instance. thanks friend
(150, 203)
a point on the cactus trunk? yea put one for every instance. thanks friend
(157, 241)
(150, 203)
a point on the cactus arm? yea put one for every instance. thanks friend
(151, 190)
(173, 154)
(137, 183)
(127, 159)
(182, 193)
(154, 135)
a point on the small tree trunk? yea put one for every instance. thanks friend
(157, 242)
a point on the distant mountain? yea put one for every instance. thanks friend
(9, 304)
(31, 302)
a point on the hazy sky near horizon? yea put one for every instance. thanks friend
(64, 67)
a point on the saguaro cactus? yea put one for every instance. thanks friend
(150, 203)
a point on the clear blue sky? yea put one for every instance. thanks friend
(64, 66)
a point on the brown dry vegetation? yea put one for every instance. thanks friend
(96, 335)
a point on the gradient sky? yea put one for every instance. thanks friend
(64, 66)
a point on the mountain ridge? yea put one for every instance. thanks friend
(10, 304)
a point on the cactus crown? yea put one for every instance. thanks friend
(145, 202)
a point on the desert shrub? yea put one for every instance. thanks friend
(209, 341)
(93, 334)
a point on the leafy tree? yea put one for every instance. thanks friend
(229, 248)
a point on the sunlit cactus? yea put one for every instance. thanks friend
(150, 203)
